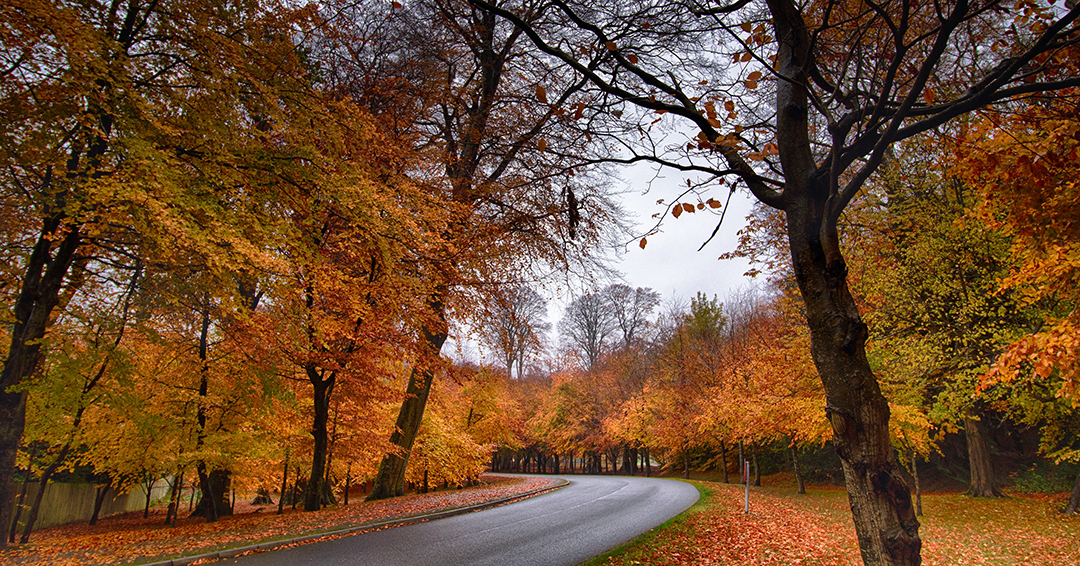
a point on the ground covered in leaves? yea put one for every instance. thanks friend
(815, 529)
(130, 538)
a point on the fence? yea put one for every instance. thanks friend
(65, 503)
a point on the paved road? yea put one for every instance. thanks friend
(567, 526)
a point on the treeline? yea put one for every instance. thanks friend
(235, 238)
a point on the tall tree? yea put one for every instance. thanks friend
(631, 309)
(846, 81)
(515, 326)
(502, 151)
(587, 325)
(111, 108)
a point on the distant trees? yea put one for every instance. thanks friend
(514, 325)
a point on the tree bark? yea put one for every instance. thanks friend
(1074, 499)
(915, 476)
(390, 480)
(284, 484)
(323, 385)
(983, 482)
(795, 468)
(99, 500)
(723, 460)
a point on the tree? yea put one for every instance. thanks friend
(514, 326)
(460, 84)
(587, 326)
(631, 309)
(112, 108)
(847, 81)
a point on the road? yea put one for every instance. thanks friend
(567, 526)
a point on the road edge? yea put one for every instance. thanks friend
(392, 523)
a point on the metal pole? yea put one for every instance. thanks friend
(746, 476)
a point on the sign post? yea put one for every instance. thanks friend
(746, 476)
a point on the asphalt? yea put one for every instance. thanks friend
(374, 526)
(588, 516)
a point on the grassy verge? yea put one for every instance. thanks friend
(640, 550)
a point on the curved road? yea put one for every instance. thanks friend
(567, 526)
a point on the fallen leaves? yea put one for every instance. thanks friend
(131, 538)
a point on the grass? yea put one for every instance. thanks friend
(816, 529)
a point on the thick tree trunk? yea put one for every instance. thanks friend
(18, 510)
(1074, 499)
(390, 480)
(880, 501)
(983, 483)
(215, 486)
(42, 281)
(323, 387)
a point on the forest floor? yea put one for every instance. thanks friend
(131, 539)
(816, 529)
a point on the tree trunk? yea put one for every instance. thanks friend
(983, 483)
(757, 471)
(686, 463)
(1074, 499)
(284, 484)
(915, 476)
(149, 492)
(795, 468)
(323, 387)
(42, 281)
(98, 502)
(174, 498)
(18, 510)
(723, 460)
(215, 488)
(648, 463)
(880, 501)
(390, 480)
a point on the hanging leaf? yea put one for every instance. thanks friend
(542, 144)
(642, 243)
(541, 94)
(610, 45)
(756, 75)
(747, 56)
(687, 207)
(751, 84)
(713, 203)
(677, 210)
(929, 95)
(747, 27)
(632, 58)
(396, 5)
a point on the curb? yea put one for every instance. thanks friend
(400, 522)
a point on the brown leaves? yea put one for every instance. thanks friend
(541, 94)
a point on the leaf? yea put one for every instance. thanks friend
(729, 105)
(713, 203)
(632, 58)
(541, 94)
(616, 113)
(756, 75)
(747, 27)
(642, 243)
(396, 5)
(687, 207)
(747, 56)
(610, 45)
(542, 144)
(751, 84)
(928, 95)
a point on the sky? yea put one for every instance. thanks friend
(670, 263)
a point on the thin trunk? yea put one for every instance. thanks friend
(915, 476)
(686, 463)
(46, 475)
(648, 463)
(99, 500)
(757, 471)
(390, 480)
(174, 498)
(284, 484)
(795, 468)
(983, 482)
(723, 460)
(149, 492)
(348, 482)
